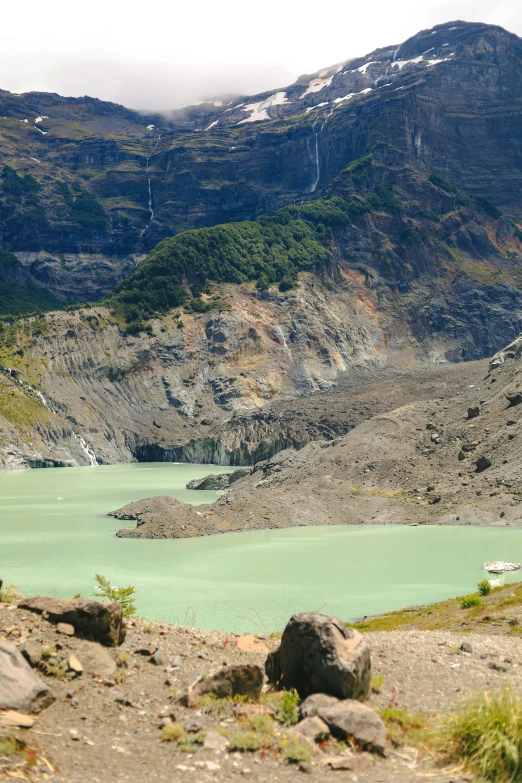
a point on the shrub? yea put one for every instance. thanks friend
(285, 705)
(244, 741)
(486, 737)
(295, 751)
(123, 595)
(402, 725)
(9, 594)
(484, 587)
(442, 183)
(173, 732)
(469, 601)
(88, 212)
(377, 683)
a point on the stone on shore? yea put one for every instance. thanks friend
(240, 680)
(351, 720)
(102, 622)
(20, 688)
(319, 654)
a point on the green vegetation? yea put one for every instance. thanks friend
(469, 601)
(9, 594)
(258, 732)
(123, 595)
(19, 300)
(442, 183)
(377, 683)
(484, 587)
(402, 725)
(269, 251)
(486, 737)
(15, 187)
(88, 212)
(295, 750)
(173, 732)
(492, 615)
(487, 207)
(285, 705)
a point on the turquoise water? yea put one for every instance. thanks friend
(237, 581)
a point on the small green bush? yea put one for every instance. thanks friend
(484, 587)
(295, 751)
(244, 741)
(469, 601)
(173, 732)
(442, 183)
(123, 595)
(486, 737)
(285, 705)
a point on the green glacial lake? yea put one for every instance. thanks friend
(237, 581)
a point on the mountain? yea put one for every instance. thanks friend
(363, 236)
(91, 186)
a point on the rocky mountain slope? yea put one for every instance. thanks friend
(444, 461)
(88, 187)
(402, 252)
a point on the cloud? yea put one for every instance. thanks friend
(163, 56)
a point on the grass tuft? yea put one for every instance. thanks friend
(285, 705)
(296, 751)
(486, 737)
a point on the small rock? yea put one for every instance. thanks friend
(32, 652)
(159, 658)
(311, 728)
(66, 628)
(16, 719)
(496, 666)
(250, 643)
(240, 680)
(349, 719)
(473, 411)
(193, 726)
(211, 766)
(466, 647)
(215, 741)
(306, 768)
(313, 704)
(75, 665)
(482, 463)
(514, 399)
(148, 651)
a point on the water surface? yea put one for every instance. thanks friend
(236, 581)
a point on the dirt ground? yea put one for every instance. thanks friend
(104, 726)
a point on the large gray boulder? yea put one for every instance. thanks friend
(20, 688)
(102, 622)
(319, 654)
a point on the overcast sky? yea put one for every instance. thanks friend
(162, 55)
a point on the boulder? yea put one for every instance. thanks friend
(351, 720)
(482, 463)
(240, 680)
(312, 728)
(20, 688)
(319, 654)
(473, 411)
(315, 703)
(514, 399)
(212, 481)
(238, 474)
(96, 620)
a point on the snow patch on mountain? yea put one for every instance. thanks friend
(353, 95)
(259, 110)
(317, 106)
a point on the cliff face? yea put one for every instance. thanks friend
(447, 100)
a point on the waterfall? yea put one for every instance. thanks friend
(285, 345)
(89, 453)
(314, 159)
(87, 450)
(151, 207)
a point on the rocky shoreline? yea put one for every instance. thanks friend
(198, 705)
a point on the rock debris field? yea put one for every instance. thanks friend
(168, 703)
